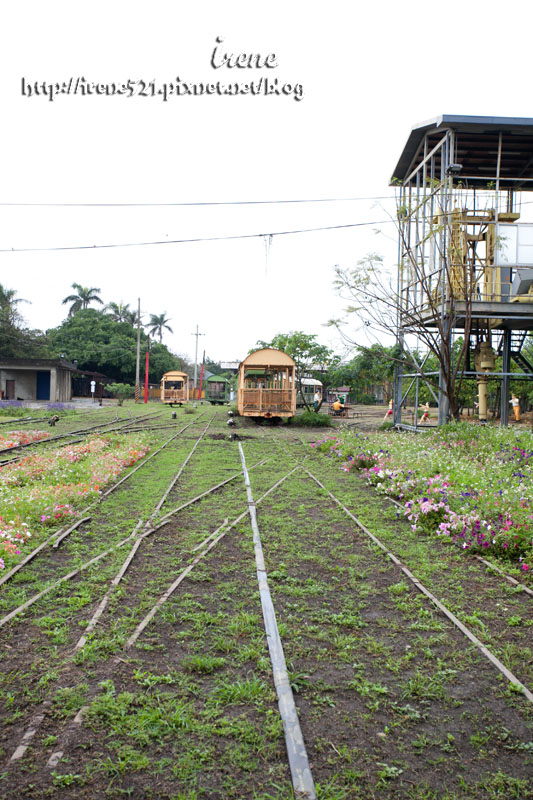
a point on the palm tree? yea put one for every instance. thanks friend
(132, 317)
(81, 300)
(8, 303)
(157, 323)
(119, 312)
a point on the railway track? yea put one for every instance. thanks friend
(115, 425)
(58, 536)
(177, 624)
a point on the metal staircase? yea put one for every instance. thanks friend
(518, 338)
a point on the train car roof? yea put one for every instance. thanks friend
(268, 357)
(217, 378)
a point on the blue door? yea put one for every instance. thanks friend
(43, 386)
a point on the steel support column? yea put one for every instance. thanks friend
(444, 403)
(397, 412)
(504, 390)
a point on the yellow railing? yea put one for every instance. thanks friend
(173, 395)
(262, 400)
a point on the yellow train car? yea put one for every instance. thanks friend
(267, 386)
(175, 388)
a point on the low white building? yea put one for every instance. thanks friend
(30, 379)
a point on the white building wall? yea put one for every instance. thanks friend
(53, 385)
(64, 387)
(25, 382)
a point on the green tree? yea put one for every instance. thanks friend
(157, 323)
(80, 301)
(374, 300)
(212, 366)
(99, 344)
(16, 341)
(311, 358)
(8, 305)
(119, 312)
(371, 369)
(131, 317)
(162, 360)
(524, 389)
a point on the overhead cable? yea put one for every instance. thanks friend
(192, 240)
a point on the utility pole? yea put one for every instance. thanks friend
(137, 365)
(146, 370)
(196, 356)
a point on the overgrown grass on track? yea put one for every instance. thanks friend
(393, 701)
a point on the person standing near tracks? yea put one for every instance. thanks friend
(316, 400)
(425, 415)
(515, 401)
(388, 413)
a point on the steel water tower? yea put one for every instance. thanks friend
(465, 267)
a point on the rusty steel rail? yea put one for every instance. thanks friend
(421, 588)
(302, 779)
(59, 535)
(4, 620)
(484, 561)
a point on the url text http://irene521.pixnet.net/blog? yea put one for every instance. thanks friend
(260, 86)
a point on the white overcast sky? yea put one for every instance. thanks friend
(368, 73)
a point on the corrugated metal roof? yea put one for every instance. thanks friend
(36, 363)
(477, 140)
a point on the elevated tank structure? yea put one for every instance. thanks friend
(465, 261)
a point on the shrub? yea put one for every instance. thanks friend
(121, 390)
(312, 419)
(64, 408)
(12, 411)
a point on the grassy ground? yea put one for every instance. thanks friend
(393, 701)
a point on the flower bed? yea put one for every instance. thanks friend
(468, 483)
(15, 438)
(42, 490)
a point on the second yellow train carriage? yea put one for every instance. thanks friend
(175, 388)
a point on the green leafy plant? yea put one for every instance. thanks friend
(311, 419)
(123, 391)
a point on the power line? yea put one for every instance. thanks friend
(208, 203)
(201, 203)
(190, 241)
